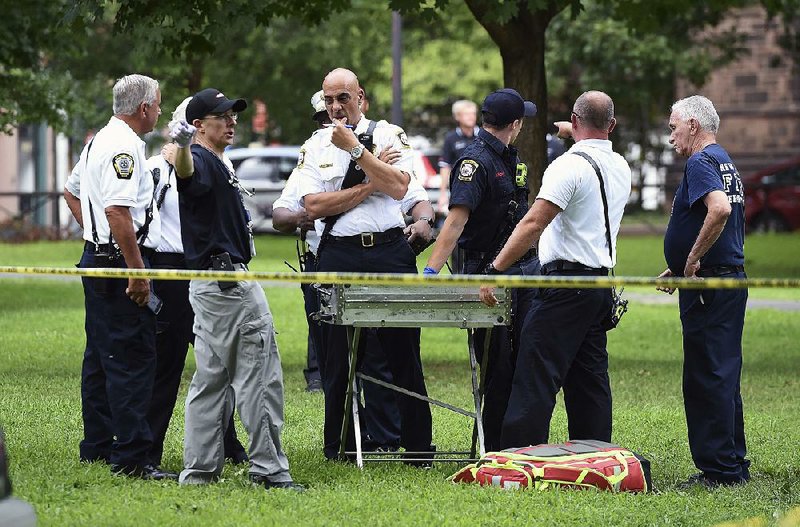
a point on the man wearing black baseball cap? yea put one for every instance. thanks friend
(235, 348)
(488, 196)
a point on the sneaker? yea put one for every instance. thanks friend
(700, 479)
(146, 472)
(314, 386)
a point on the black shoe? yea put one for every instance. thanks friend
(314, 386)
(423, 460)
(237, 458)
(267, 484)
(701, 479)
(147, 472)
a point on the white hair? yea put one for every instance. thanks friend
(131, 91)
(180, 113)
(463, 104)
(700, 108)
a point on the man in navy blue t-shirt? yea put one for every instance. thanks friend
(705, 237)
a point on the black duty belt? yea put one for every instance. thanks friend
(172, 260)
(236, 267)
(563, 265)
(720, 270)
(370, 239)
(146, 252)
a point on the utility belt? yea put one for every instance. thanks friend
(566, 266)
(113, 253)
(720, 270)
(169, 260)
(370, 239)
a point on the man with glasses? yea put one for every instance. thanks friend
(235, 348)
(363, 232)
(563, 342)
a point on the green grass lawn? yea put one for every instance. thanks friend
(41, 341)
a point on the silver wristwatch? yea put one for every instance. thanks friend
(357, 151)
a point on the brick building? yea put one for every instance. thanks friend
(757, 97)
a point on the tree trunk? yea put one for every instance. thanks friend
(521, 42)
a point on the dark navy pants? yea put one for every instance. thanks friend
(712, 322)
(400, 347)
(117, 375)
(379, 416)
(173, 336)
(503, 350)
(562, 346)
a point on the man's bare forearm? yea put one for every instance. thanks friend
(286, 221)
(448, 237)
(121, 224)
(184, 164)
(74, 205)
(386, 178)
(326, 204)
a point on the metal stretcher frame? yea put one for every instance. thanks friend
(366, 306)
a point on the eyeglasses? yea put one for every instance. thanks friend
(227, 117)
(577, 115)
(342, 98)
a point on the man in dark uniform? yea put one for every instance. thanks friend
(367, 237)
(235, 348)
(110, 193)
(466, 115)
(176, 318)
(489, 195)
(705, 237)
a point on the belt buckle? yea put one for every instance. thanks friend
(367, 239)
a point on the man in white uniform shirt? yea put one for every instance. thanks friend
(363, 232)
(110, 193)
(564, 334)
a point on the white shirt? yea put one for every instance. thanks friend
(114, 175)
(578, 233)
(169, 211)
(322, 167)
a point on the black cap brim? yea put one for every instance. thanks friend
(237, 105)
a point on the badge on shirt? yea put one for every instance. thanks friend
(301, 158)
(123, 165)
(403, 139)
(467, 170)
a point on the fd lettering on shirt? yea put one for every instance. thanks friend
(467, 170)
(123, 165)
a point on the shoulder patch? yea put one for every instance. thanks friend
(301, 158)
(401, 135)
(123, 165)
(467, 170)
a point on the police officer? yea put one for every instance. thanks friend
(705, 237)
(174, 321)
(489, 195)
(563, 339)
(366, 237)
(465, 114)
(113, 190)
(235, 348)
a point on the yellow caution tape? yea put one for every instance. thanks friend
(387, 279)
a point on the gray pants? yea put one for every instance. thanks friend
(235, 352)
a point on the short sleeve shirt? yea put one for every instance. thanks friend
(706, 171)
(213, 217)
(322, 168)
(166, 199)
(112, 171)
(578, 233)
(484, 180)
(454, 144)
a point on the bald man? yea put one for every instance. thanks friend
(563, 342)
(359, 196)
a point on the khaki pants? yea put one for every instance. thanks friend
(235, 351)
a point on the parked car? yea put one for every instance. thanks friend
(772, 197)
(263, 171)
